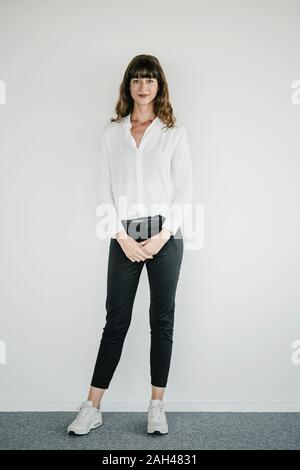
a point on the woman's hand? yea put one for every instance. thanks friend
(153, 244)
(132, 248)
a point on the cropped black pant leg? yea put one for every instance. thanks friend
(122, 280)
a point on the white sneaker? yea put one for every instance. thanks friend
(89, 417)
(157, 421)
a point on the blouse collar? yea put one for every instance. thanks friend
(156, 124)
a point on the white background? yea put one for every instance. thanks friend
(230, 66)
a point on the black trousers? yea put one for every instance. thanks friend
(122, 280)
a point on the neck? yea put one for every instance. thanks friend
(142, 115)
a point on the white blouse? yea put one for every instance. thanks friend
(154, 178)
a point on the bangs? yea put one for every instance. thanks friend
(144, 69)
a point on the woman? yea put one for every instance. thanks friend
(145, 158)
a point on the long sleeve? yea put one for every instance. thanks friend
(106, 205)
(182, 178)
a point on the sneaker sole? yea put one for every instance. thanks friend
(73, 433)
(155, 430)
(158, 432)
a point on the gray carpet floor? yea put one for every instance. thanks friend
(126, 430)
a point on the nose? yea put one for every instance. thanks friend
(143, 87)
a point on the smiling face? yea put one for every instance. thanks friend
(143, 90)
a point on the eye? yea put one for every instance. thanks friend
(135, 80)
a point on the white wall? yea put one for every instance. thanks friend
(230, 66)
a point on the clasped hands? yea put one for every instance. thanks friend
(141, 251)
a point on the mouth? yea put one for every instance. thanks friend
(143, 96)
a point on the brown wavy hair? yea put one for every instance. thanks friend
(145, 66)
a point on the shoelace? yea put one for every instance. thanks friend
(83, 413)
(155, 412)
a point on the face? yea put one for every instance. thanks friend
(143, 86)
